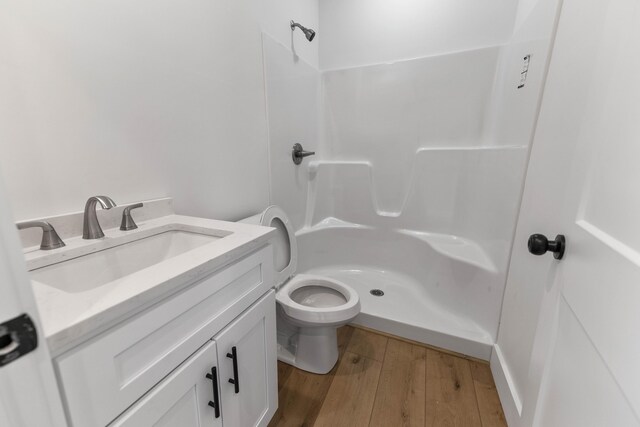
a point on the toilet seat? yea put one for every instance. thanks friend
(318, 315)
(269, 217)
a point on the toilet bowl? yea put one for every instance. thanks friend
(309, 308)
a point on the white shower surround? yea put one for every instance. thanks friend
(441, 259)
(416, 186)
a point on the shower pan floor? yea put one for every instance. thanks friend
(406, 311)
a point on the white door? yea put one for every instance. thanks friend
(578, 363)
(186, 398)
(248, 366)
(28, 390)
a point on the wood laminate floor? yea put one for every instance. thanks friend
(383, 381)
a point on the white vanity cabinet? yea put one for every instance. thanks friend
(245, 352)
(155, 368)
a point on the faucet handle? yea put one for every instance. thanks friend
(127, 221)
(298, 153)
(50, 238)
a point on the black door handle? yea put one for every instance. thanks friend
(539, 245)
(213, 376)
(235, 380)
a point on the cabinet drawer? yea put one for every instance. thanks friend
(103, 377)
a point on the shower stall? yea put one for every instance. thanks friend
(422, 137)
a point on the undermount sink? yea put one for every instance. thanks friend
(105, 266)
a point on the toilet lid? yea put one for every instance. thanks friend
(285, 248)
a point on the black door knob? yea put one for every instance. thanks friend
(539, 245)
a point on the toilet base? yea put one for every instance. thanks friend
(312, 349)
(317, 349)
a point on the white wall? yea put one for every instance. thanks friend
(514, 109)
(364, 32)
(139, 100)
(385, 113)
(276, 15)
(293, 103)
(292, 82)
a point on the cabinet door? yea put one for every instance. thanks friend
(182, 399)
(247, 356)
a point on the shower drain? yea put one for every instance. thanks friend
(376, 292)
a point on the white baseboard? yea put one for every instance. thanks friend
(509, 397)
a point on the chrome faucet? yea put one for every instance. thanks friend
(50, 238)
(92, 229)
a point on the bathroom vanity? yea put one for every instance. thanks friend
(169, 324)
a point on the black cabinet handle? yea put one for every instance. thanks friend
(539, 245)
(213, 376)
(235, 380)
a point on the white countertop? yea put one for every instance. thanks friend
(70, 318)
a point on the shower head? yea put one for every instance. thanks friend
(308, 33)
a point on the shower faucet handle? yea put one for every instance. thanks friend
(298, 153)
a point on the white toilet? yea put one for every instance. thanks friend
(310, 308)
